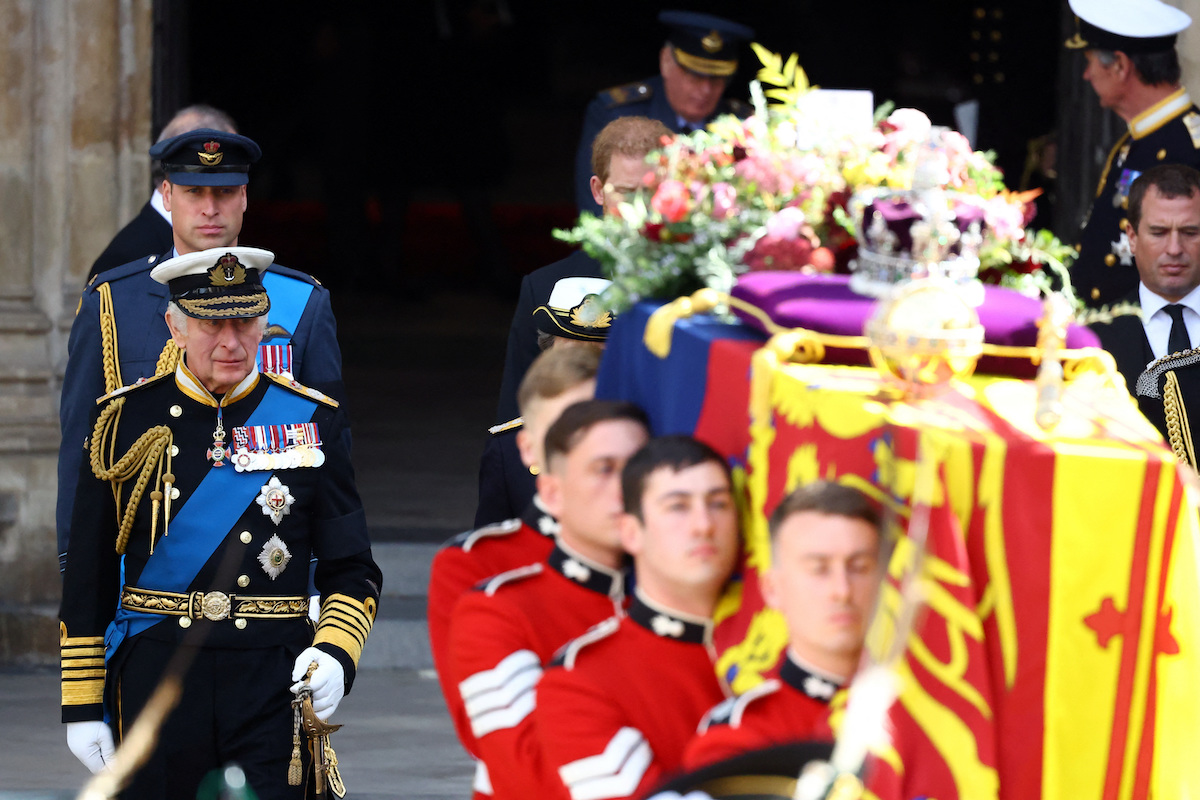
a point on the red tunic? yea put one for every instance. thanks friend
(501, 635)
(465, 561)
(790, 708)
(616, 711)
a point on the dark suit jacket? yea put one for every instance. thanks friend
(146, 234)
(1125, 338)
(505, 484)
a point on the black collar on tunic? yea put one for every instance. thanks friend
(539, 518)
(586, 573)
(662, 621)
(818, 686)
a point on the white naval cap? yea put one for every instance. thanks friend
(575, 310)
(1131, 26)
(218, 283)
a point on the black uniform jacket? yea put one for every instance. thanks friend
(146, 234)
(217, 530)
(1167, 133)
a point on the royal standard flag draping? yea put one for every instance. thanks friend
(1061, 580)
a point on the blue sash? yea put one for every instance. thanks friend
(201, 525)
(288, 296)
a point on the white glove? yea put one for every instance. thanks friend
(328, 682)
(92, 743)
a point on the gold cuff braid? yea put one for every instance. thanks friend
(82, 668)
(345, 623)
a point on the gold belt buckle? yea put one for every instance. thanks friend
(214, 605)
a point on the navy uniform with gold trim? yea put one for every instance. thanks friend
(1167, 132)
(119, 332)
(572, 310)
(701, 44)
(194, 522)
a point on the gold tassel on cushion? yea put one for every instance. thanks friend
(661, 324)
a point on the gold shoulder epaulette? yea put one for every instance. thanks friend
(507, 426)
(1191, 121)
(139, 383)
(624, 95)
(300, 388)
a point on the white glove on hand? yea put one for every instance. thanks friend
(92, 743)
(328, 682)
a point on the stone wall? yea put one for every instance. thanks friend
(74, 127)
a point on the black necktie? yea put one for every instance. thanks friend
(1179, 341)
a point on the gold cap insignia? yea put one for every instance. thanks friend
(590, 313)
(1076, 42)
(228, 271)
(713, 42)
(211, 155)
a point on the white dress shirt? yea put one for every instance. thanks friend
(1157, 321)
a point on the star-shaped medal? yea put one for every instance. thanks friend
(276, 500)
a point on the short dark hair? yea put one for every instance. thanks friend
(1171, 180)
(189, 118)
(557, 370)
(629, 136)
(1153, 69)
(1157, 68)
(578, 418)
(824, 497)
(676, 452)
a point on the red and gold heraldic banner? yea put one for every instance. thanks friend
(1056, 653)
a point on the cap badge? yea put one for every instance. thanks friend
(713, 42)
(211, 155)
(228, 271)
(274, 556)
(591, 314)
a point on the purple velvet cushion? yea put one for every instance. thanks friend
(899, 215)
(824, 303)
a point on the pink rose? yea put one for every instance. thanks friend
(724, 200)
(786, 223)
(671, 200)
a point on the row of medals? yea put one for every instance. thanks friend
(246, 461)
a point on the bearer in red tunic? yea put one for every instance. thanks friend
(622, 701)
(823, 578)
(506, 629)
(559, 377)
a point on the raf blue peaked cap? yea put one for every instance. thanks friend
(207, 157)
(705, 44)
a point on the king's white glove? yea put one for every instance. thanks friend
(92, 743)
(328, 682)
